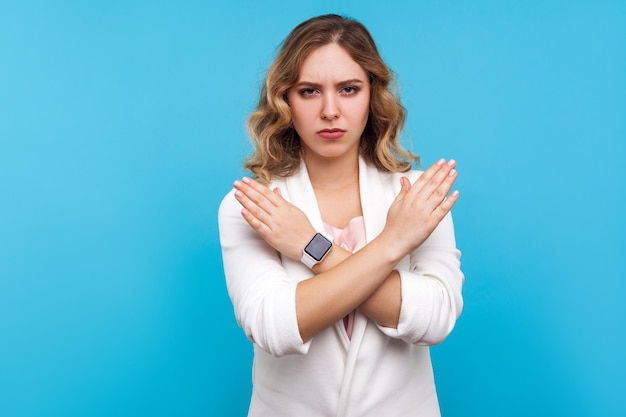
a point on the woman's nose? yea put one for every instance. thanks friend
(330, 107)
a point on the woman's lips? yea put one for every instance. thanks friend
(331, 133)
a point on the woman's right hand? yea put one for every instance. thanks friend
(281, 224)
(418, 208)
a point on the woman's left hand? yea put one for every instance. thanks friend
(281, 224)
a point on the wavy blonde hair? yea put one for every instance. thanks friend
(277, 148)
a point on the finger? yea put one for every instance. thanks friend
(428, 175)
(443, 172)
(441, 207)
(254, 222)
(433, 187)
(405, 185)
(442, 189)
(446, 205)
(253, 208)
(440, 192)
(254, 194)
(262, 190)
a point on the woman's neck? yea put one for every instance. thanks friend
(335, 182)
(332, 174)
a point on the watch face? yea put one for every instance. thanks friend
(317, 247)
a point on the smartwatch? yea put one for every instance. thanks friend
(316, 249)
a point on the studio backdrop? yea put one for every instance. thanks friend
(122, 126)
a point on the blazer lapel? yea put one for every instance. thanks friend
(373, 199)
(300, 192)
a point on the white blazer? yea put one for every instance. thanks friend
(380, 371)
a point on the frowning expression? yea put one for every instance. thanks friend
(330, 103)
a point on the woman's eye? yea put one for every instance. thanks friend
(350, 90)
(307, 92)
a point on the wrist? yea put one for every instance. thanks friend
(392, 249)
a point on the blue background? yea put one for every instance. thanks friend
(122, 126)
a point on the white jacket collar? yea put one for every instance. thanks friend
(373, 185)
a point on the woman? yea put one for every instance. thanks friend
(340, 261)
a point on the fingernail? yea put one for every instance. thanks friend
(238, 194)
(451, 162)
(246, 180)
(441, 161)
(452, 172)
(237, 184)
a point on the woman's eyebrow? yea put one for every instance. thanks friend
(340, 83)
(308, 84)
(351, 81)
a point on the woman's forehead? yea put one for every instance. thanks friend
(330, 62)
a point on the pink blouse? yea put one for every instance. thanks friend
(351, 238)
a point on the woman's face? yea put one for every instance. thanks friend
(330, 103)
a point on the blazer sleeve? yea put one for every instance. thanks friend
(431, 289)
(262, 294)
